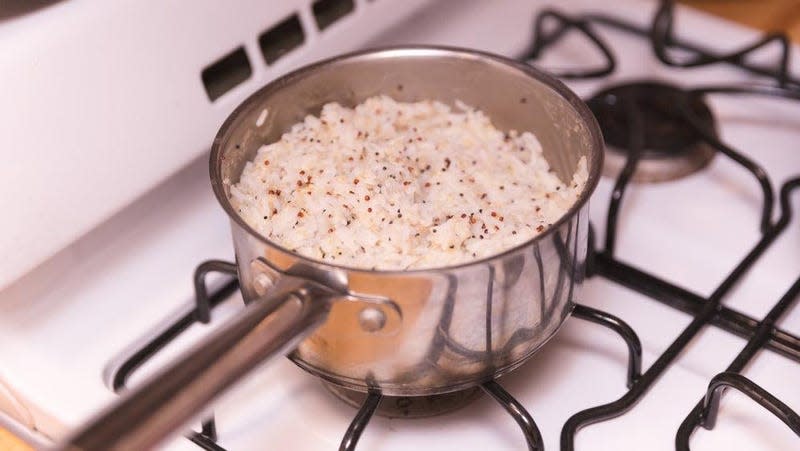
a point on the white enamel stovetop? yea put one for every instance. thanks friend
(62, 324)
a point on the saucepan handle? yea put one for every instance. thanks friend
(168, 401)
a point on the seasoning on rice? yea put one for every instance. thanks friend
(392, 185)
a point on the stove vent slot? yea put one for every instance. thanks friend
(281, 39)
(326, 12)
(226, 73)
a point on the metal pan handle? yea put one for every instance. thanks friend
(168, 401)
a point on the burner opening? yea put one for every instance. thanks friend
(409, 406)
(672, 148)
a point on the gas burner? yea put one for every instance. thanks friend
(670, 147)
(409, 406)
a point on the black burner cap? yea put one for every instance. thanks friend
(658, 105)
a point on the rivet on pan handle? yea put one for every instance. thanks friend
(378, 314)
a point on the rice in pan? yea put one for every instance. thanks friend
(392, 185)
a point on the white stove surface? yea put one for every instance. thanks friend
(61, 325)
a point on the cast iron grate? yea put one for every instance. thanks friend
(205, 302)
(760, 334)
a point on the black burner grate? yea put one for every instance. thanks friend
(205, 302)
(761, 334)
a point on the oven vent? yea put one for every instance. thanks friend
(326, 12)
(281, 39)
(226, 73)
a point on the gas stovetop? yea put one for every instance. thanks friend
(693, 268)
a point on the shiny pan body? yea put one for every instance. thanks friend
(441, 329)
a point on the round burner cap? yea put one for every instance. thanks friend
(672, 148)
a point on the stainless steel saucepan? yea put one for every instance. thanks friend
(418, 332)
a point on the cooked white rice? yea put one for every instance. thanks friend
(392, 185)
